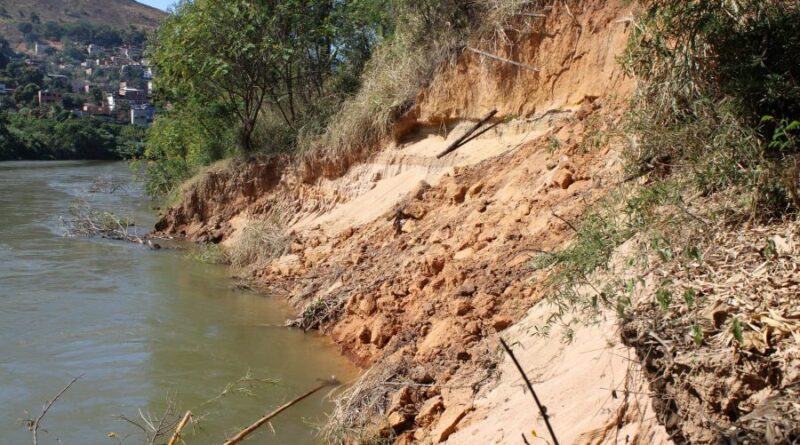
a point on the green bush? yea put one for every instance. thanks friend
(710, 73)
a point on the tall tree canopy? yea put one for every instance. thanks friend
(250, 53)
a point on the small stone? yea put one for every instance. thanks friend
(367, 305)
(464, 254)
(421, 375)
(429, 411)
(400, 399)
(415, 210)
(381, 332)
(448, 423)
(409, 226)
(467, 289)
(473, 328)
(475, 190)
(462, 307)
(551, 164)
(500, 323)
(397, 421)
(457, 192)
(563, 178)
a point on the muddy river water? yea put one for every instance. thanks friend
(145, 328)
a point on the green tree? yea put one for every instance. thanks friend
(25, 27)
(237, 65)
(26, 95)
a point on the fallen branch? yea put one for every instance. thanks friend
(480, 133)
(249, 430)
(460, 141)
(542, 408)
(34, 425)
(177, 435)
(503, 59)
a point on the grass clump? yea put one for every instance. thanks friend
(260, 242)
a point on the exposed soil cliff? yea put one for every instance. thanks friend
(414, 265)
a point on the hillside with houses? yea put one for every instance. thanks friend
(62, 72)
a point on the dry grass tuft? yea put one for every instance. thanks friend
(425, 40)
(360, 410)
(261, 241)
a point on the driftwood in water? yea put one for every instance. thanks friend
(85, 221)
(177, 434)
(34, 425)
(460, 141)
(250, 429)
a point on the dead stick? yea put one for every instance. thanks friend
(458, 142)
(480, 133)
(503, 59)
(542, 408)
(35, 425)
(247, 431)
(177, 435)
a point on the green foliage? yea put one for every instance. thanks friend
(209, 254)
(698, 335)
(181, 141)
(283, 53)
(737, 330)
(711, 70)
(64, 137)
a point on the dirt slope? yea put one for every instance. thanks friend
(415, 265)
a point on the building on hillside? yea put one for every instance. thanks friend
(88, 63)
(95, 49)
(41, 65)
(49, 97)
(40, 49)
(94, 109)
(3, 89)
(111, 102)
(141, 115)
(133, 95)
(88, 71)
(132, 52)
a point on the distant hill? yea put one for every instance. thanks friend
(120, 14)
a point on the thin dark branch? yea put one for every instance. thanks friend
(34, 427)
(571, 226)
(542, 408)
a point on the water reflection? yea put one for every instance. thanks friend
(143, 326)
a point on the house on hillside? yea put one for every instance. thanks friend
(132, 52)
(111, 102)
(40, 48)
(94, 109)
(95, 49)
(3, 89)
(142, 115)
(47, 97)
(41, 65)
(133, 95)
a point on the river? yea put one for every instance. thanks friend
(144, 328)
